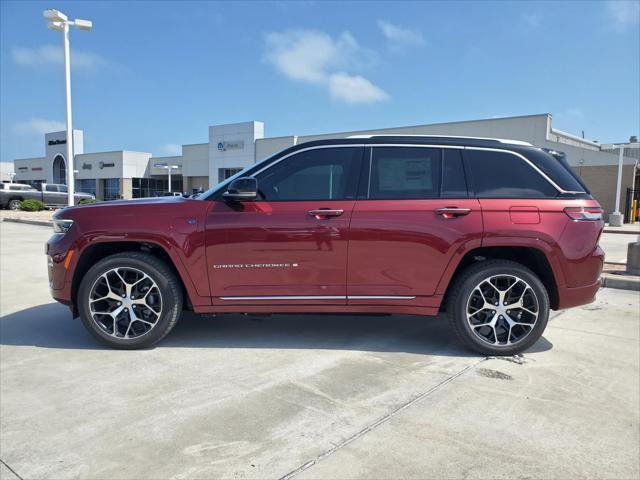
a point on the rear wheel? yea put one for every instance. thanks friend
(14, 204)
(130, 300)
(498, 307)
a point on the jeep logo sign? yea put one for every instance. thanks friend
(87, 166)
(231, 145)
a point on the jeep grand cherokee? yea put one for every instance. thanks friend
(495, 232)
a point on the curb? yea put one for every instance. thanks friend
(41, 223)
(624, 232)
(622, 283)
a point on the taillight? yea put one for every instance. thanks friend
(584, 213)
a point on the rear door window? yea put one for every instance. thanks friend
(505, 175)
(405, 173)
(51, 188)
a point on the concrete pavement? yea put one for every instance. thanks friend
(615, 246)
(314, 396)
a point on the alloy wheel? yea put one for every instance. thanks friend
(502, 310)
(125, 303)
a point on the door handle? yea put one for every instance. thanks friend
(452, 212)
(325, 212)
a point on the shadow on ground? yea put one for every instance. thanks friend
(51, 326)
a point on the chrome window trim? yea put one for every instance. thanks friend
(414, 145)
(529, 162)
(352, 145)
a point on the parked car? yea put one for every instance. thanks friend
(51, 194)
(12, 194)
(494, 232)
(56, 195)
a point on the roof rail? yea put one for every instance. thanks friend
(499, 140)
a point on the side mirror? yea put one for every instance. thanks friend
(243, 189)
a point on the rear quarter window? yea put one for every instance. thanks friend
(560, 173)
(497, 174)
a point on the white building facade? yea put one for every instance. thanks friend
(232, 147)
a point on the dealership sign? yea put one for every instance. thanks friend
(231, 145)
(102, 165)
(57, 142)
(87, 166)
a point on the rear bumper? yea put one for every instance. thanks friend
(573, 297)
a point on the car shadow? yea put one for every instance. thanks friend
(51, 326)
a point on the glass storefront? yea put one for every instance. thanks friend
(111, 188)
(86, 185)
(224, 173)
(153, 187)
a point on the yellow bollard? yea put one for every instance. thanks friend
(634, 210)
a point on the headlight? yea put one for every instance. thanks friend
(62, 225)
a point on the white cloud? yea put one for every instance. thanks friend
(171, 149)
(532, 19)
(315, 57)
(355, 89)
(38, 126)
(54, 55)
(401, 37)
(624, 13)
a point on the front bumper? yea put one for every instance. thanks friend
(60, 256)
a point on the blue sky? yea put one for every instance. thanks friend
(154, 75)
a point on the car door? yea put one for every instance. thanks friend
(51, 195)
(290, 245)
(409, 222)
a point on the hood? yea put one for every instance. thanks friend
(122, 204)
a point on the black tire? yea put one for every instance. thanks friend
(459, 296)
(171, 297)
(14, 204)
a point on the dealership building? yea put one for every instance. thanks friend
(232, 147)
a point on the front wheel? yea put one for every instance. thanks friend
(130, 300)
(14, 204)
(498, 307)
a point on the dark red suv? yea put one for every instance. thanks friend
(495, 232)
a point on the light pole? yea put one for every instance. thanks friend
(168, 168)
(616, 218)
(59, 21)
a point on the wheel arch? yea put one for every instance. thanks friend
(14, 197)
(533, 258)
(95, 252)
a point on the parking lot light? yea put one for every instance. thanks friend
(615, 219)
(59, 21)
(168, 168)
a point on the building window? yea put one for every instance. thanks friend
(59, 170)
(149, 187)
(224, 173)
(111, 188)
(86, 185)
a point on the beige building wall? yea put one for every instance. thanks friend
(190, 183)
(602, 179)
(126, 188)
